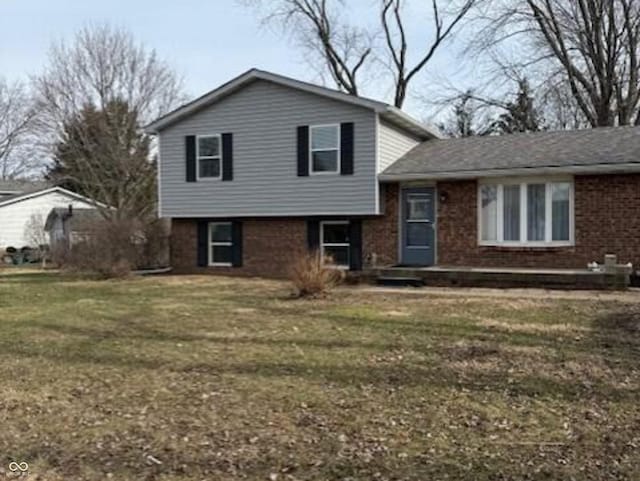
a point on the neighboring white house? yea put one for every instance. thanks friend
(16, 211)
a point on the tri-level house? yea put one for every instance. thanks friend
(266, 167)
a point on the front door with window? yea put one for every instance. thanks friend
(418, 229)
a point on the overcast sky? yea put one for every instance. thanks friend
(206, 41)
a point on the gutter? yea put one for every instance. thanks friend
(630, 167)
(424, 130)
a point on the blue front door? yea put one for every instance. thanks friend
(418, 230)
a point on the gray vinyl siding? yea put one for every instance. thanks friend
(263, 118)
(393, 144)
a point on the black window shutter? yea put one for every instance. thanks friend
(190, 156)
(313, 234)
(236, 238)
(227, 156)
(346, 148)
(203, 243)
(303, 151)
(355, 245)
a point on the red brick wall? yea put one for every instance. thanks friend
(607, 221)
(380, 234)
(269, 245)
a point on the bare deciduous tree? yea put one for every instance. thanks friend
(17, 116)
(393, 25)
(105, 76)
(592, 46)
(342, 49)
(347, 50)
(102, 65)
(37, 237)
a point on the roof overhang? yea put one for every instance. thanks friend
(50, 190)
(594, 169)
(399, 118)
(392, 114)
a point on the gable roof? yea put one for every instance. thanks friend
(605, 149)
(386, 111)
(12, 199)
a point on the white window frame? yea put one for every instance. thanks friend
(208, 157)
(335, 244)
(337, 149)
(548, 230)
(211, 244)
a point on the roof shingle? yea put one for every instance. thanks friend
(560, 149)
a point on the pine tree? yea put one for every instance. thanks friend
(520, 114)
(104, 155)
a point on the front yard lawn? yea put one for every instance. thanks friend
(202, 378)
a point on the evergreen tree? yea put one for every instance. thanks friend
(520, 113)
(462, 120)
(104, 155)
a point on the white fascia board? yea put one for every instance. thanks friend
(523, 171)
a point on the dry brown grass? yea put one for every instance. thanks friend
(200, 378)
(313, 276)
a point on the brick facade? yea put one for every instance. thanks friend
(606, 222)
(380, 235)
(269, 245)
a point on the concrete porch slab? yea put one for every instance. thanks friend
(503, 277)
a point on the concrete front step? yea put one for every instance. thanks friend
(398, 281)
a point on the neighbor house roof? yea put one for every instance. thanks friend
(14, 187)
(609, 149)
(386, 111)
(12, 199)
(77, 218)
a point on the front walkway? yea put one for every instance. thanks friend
(630, 296)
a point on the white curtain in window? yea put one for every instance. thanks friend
(511, 214)
(536, 197)
(560, 193)
(489, 200)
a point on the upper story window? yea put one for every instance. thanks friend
(532, 212)
(325, 149)
(209, 157)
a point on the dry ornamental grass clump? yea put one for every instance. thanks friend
(314, 276)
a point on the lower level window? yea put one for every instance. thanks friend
(220, 244)
(526, 213)
(334, 242)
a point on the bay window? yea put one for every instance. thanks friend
(526, 213)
